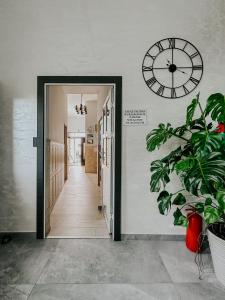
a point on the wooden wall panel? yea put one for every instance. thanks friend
(90, 158)
(56, 172)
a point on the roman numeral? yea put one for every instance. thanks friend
(198, 67)
(194, 80)
(160, 47)
(194, 54)
(149, 55)
(151, 81)
(173, 93)
(160, 90)
(185, 45)
(171, 43)
(186, 91)
(146, 69)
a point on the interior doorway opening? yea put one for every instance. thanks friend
(76, 146)
(81, 142)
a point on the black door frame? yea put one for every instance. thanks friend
(41, 83)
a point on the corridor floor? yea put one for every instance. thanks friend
(100, 269)
(76, 211)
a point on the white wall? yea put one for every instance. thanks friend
(67, 37)
(76, 124)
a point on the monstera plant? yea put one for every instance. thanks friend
(199, 163)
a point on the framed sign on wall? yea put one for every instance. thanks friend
(132, 117)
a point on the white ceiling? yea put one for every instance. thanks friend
(73, 93)
(82, 89)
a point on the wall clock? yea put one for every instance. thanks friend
(172, 68)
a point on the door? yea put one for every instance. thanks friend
(108, 161)
(75, 149)
(100, 145)
(65, 154)
(42, 146)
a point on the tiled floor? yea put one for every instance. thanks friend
(76, 211)
(100, 269)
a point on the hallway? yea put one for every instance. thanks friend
(76, 211)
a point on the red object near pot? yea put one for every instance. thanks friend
(220, 128)
(194, 230)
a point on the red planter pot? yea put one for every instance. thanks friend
(193, 232)
(220, 128)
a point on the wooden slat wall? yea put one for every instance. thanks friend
(56, 171)
(90, 158)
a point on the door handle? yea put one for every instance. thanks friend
(35, 142)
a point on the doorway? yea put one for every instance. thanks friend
(75, 149)
(112, 210)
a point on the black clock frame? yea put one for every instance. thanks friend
(161, 49)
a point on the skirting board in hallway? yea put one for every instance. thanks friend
(152, 237)
(76, 237)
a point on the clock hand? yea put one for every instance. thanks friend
(177, 69)
(181, 71)
(172, 80)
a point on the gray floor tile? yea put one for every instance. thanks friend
(104, 292)
(21, 262)
(104, 261)
(15, 292)
(200, 291)
(180, 262)
(104, 269)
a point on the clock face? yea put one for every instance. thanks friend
(172, 68)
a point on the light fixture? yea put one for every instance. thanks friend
(81, 109)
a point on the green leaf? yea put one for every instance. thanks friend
(190, 111)
(197, 124)
(185, 164)
(180, 130)
(216, 107)
(206, 142)
(205, 173)
(172, 158)
(179, 218)
(200, 207)
(220, 197)
(160, 176)
(164, 202)
(158, 136)
(208, 201)
(187, 149)
(211, 214)
(204, 189)
(179, 199)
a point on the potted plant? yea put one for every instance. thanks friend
(199, 163)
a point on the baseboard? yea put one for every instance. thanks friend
(154, 237)
(18, 235)
(125, 237)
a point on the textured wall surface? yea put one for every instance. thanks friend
(95, 37)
